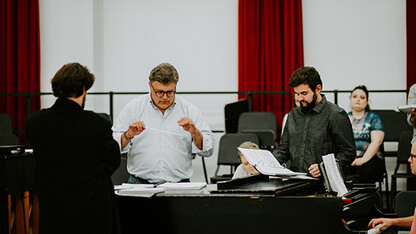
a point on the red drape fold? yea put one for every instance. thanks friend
(19, 59)
(270, 50)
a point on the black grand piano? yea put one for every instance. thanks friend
(256, 204)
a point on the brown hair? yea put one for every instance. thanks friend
(71, 81)
(305, 75)
(164, 73)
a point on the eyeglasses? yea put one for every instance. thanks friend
(412, 156)
(160, 93)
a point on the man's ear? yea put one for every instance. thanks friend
(318, 89)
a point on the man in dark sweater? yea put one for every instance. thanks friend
(75, 156)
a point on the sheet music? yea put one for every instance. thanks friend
(266, 163)
(335, 180)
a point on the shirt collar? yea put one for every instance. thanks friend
(67, 103)
(318, 108)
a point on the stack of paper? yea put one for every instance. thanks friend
(184, 185)
(137, 190)
(148, 190)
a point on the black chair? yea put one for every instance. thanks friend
(5, 124)
(228, 153)
(402, 157)
(385, 179)
(261, 123)
(405, 205)
(6, 134)
(232, 112)
(9, 140)
(121, 175)
(394, 123)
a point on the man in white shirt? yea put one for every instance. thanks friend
(160, 131)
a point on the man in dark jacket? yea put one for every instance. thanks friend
(314, 129)
(75, 156)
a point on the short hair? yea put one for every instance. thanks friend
(71, 81)
(365, 90)
(164, 73)
(305, 75)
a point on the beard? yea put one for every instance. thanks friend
(309, 105)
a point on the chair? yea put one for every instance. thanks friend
(228, 153)
(402, 157)
(232, 112)
(385, 179)
(6, 134)
(9, 140)
(5, 124)
(405, 205)
(394, 123)
(121, 175)
(261, 123)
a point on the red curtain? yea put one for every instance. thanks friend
(19, 59)
(270, 50)
(411, 42)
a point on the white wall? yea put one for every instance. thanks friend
(349, 42)
(358, 42)
(66, 36)
(121, 41)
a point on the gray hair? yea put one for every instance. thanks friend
(164, 73)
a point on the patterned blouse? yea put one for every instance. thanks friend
(362, 130)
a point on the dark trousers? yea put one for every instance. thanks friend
(370, 172)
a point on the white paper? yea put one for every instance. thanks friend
(129, 186)
(183, 185)
(138, 190)
(406, 108)
(266, 163)
(334, 176)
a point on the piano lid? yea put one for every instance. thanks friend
(262, 184)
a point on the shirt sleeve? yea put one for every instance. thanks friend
(344, 139)
(207, 137)
(376, 124)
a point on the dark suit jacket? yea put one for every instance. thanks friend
(75, 156)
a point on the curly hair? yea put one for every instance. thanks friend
(164, 73)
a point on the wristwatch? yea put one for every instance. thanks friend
(125, 135)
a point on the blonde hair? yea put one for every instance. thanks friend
(249, 145)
